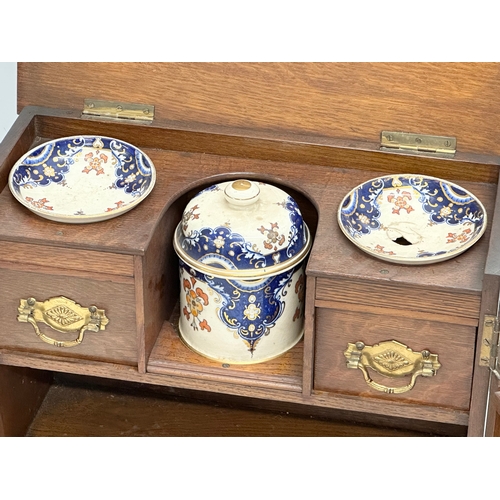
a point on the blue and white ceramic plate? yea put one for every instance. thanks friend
(412, 219)
(82, 179)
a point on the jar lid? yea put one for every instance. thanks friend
(242, 228)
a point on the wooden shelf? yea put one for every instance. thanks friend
(171, 356)
(79, 406)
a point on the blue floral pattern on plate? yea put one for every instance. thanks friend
(82, 178)
(412, 219)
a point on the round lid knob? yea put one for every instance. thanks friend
(242, 193)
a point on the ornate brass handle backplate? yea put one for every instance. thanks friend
(391, 359)
(63, 315)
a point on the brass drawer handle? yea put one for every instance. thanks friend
(391, 359)
(63, 315)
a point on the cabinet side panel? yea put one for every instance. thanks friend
(160, 282)
(481, 380)
(21, 392)
(496, 403)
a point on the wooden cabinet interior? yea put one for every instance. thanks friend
(136, 254)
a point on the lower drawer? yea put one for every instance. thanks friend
(453, 343)
(116, 343)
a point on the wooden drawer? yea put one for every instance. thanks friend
(453, 343)
(86, 277)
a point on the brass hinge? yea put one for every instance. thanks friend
(119, 110)
(418, 143)
(489, 345)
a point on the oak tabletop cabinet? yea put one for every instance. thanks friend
(315, 130)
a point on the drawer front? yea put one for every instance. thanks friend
(117, 342)
(454, 345)
(417, 301)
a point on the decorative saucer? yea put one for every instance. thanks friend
(82, 179)
(411, 219)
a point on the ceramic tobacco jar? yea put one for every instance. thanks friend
(242, 247)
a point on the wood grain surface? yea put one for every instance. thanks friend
(496, 403)
(22, 391)
(454, 345)
(365, 409)
(482, 375)
(64, 259)
(264, 145)
(416, 301)
(83, 409)
(171, 356)
(118, 342)
(343, 100)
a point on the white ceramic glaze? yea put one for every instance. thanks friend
(242, 247)
(411, 219)
(241, 321)
(82, 179)
(244, 226)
